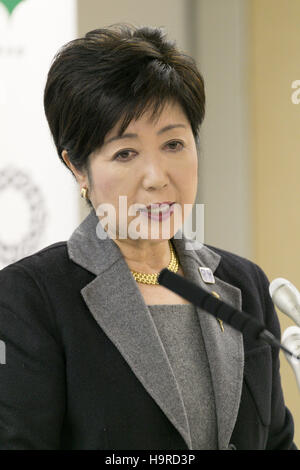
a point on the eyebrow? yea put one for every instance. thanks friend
(126, 136)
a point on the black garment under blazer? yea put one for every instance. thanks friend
(85, 368)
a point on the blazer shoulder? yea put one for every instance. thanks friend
(52, 257)
(235, 265)
(242, 272)
(50, 268)
(23, 287)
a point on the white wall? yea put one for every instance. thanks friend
(37, 197)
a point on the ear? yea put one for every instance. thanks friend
(81, 178)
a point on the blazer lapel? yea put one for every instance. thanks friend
(119, 309)
(124, 317)
(224, 348)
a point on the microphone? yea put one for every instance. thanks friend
(291, 340)
(201, 298)
(286, 297)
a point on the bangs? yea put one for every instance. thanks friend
(152, 89)
(111, 77)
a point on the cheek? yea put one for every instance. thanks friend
(102, 187)
(108, 187)
(194, 161)
(194, 169)
(105, 184)
(188, 175)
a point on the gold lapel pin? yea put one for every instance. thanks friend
(221, 325)
(220, 321)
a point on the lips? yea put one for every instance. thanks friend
(158, 204)
(160, 212)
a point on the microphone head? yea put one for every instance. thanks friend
(291, 340)
(286, 297)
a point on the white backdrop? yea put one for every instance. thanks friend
(38, 195)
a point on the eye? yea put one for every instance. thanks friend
(176, 142)
(119, 156)
(124, 156)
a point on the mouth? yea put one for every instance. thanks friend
(158, 207)
(159, 211)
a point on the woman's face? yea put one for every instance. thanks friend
(154, 166)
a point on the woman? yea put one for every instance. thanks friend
(99, 355)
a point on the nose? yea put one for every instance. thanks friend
(155, 174)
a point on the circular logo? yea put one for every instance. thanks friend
(23, 208)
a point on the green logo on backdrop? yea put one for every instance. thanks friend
(10, 4)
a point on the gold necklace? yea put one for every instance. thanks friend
(144, 278)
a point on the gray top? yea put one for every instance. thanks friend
(179, 329)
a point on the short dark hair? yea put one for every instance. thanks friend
(114, 72)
